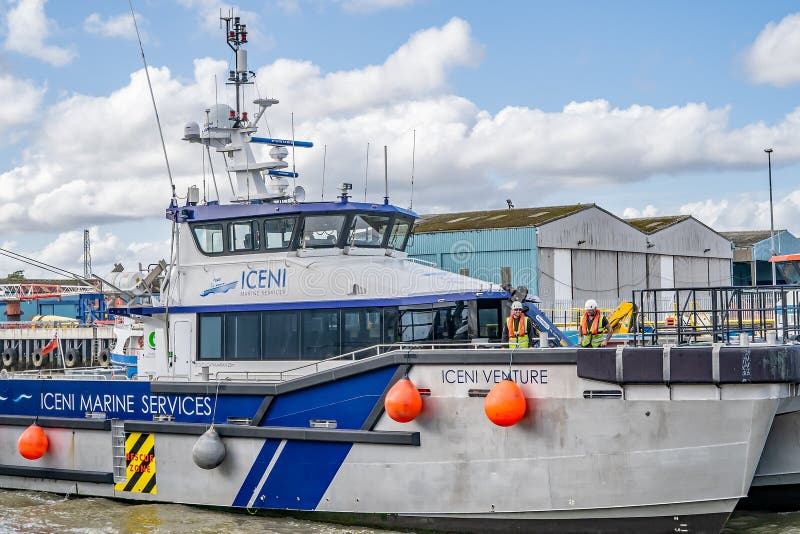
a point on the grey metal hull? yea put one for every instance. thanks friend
(651, 458)
(776, 484)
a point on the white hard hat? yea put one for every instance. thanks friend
(591, 304)
(517, 305)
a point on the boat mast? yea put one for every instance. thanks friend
(236, 35)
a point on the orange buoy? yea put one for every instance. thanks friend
(403, 402)
(32, 444)
(505, 404)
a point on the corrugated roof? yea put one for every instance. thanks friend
(651, 225)
(495, 219)
(748, 239)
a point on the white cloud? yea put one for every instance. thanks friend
(418, 69)
(114, 26)
(647, 211)
(98, 160)
(774, 57)
(746, 212)
(22, 100)
(28, 29)
(371, 6)
(65, 251)
(209, 12)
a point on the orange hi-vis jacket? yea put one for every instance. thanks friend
(518, 339)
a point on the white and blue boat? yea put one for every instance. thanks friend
(280, 330)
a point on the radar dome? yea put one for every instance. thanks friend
(219, 115)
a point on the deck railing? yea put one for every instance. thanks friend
(717, 314)
(359, 354)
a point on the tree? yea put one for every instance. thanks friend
(16, 276)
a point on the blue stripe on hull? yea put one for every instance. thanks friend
(258, 469)
(348, 401)
(304, 470)
(302, 475)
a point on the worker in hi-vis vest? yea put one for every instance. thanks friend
(517, 330)
(594, 326)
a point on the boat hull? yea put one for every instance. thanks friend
(776, 485)
(321, 445)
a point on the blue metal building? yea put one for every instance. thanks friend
(751, 254)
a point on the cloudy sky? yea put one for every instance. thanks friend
(643, 108)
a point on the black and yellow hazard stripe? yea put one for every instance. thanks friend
(140, 460)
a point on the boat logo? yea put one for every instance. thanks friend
(218, 286)
(19, 398)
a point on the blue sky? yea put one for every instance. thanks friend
(643, 108)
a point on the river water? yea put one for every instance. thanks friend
(23, 512)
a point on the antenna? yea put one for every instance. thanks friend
(294, 168)
(385, 175)
(236, 36)
(413, 154)
(324, 161)
(153, 98)
(366, 173)
(203, 157)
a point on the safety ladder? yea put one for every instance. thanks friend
(118, 450)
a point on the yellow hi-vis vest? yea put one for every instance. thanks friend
(518, 339)
(592, 335)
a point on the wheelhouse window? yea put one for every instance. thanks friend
(243, 236)
(450, 322)
(399, 234)
(320, 334)
(489, 319)
(416, 324)
(278, 232)
(210, 346)
(312, 334)
(368, 230)
(281, 335)
(209, 238)
(361, 327)
(320, 231)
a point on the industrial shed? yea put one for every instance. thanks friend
(567, 254)
(751, 254)
(683, 252)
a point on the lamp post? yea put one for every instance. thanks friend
(771, 218)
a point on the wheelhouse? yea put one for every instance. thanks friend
(305, 228)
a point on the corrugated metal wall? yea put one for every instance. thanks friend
(719, 272)
(594, 275)
(785, 243)
(483, 253)
(631, 273)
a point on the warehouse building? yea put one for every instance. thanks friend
(566, 254)
(683, 252)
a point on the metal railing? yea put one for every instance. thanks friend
(718, 314)
(70, 373)
(347, 357)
